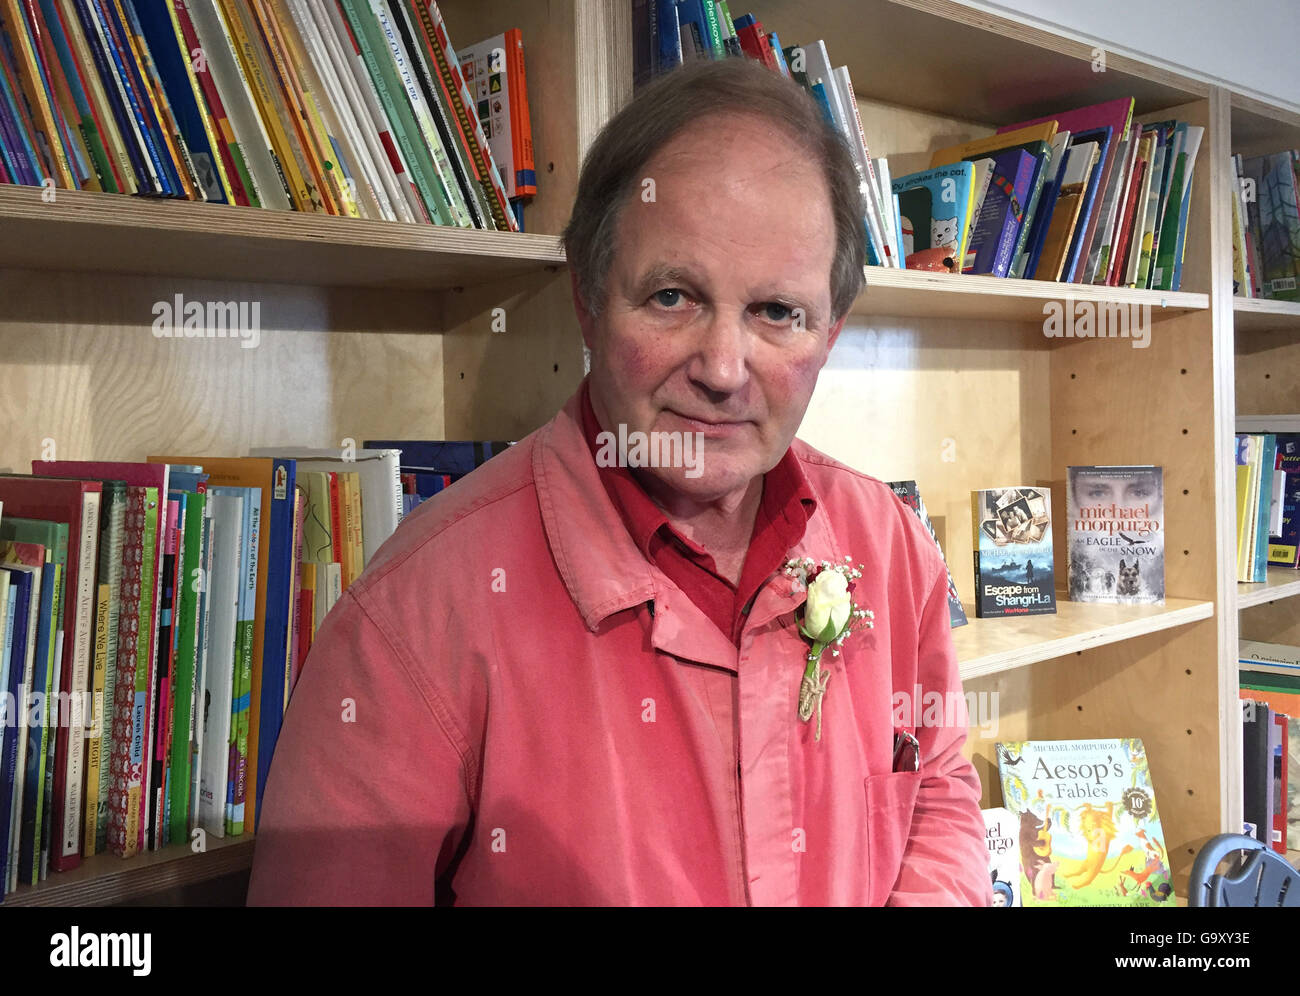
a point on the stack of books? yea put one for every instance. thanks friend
(1266, 226)
(1082, 196)
(154, 619)
(1270, 690)
(355, 108)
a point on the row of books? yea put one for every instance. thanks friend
(1080, 196)
(357, 108)
(154, 619)
(1268, 495)
(1035, 201)
(1269, 674)
(1079, 826)
(154, 637)
(1266, 226)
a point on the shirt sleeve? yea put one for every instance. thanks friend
(366, 801)
(945, 862)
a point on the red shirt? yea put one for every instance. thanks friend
(492, 709)
(779, 525)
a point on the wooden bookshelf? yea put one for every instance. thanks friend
(992, 646)
(1282, 582)
(1262, 315)
(109, 233)
(105, 879)
(380, 330)
(937, 295)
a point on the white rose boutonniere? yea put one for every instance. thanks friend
(826, 619)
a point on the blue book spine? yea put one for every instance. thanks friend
(670, 41)
(133, 86)
(1069, 272)
(23, 149)
(1043, 216)
(113, 94)
(29, 853)
(1268, 460)
(173, 71)
(1003, 213)
(279, 617)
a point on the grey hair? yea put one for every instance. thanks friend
(613, 165)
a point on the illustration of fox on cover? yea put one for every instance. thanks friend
(1090, 832)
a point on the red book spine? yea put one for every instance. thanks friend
(128, 635)
(336, 518)
(215, 107)
(1119, 264)
(753, 42)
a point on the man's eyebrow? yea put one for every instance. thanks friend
(663, 275)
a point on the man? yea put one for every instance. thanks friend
(567, 681)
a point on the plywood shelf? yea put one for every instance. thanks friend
(1251, 314)
(917, 294)
(111, 233)
(990, 646)
(106, 879)
(1282, 582)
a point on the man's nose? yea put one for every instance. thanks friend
(720, 361)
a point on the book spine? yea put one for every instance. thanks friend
(138, 166)
(301, 196)
(287, 94)
(110, 567)
(93, 739)
(30, 82)
(133, 589)
(68, 852)
(459, 98)
(215, 120)
(521, 125)
(103, 110)
(78, 109)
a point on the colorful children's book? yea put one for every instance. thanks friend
(1114, 527)
(1277, 222)
(1002, 837)
(1090, 832)
(935, 208)
(997, 230)
(1012, 529)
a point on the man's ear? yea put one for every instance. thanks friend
(585, 320)
(833, 335)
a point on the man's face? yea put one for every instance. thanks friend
(717, 311)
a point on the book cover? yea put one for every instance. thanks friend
(1114, 529)
(1278, 223)
(1014, 573)
(934, 206)
(223, 651)
(1090, 831)
(910, 496)
(1284, 543)
(997, 230)
(1002, 838)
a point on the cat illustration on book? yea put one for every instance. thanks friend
(944, 234)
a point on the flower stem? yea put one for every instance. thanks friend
(814, 656)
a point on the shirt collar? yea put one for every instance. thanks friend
(581, 517)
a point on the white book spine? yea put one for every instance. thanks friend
(83, 640)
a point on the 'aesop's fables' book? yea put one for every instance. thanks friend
(1115, 538)
(1090, 831)
(1012, 531)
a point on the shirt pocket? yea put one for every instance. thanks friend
(891, 799)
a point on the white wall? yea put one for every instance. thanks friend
(1253, 45)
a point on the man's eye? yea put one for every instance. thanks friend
(669, 297)
(775, 312)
